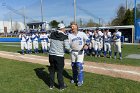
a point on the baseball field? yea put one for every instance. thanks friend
(126, 50)
(22, 77)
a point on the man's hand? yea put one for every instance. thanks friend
(85, 47)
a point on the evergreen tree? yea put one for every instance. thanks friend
(120, 16)
(54, 24)
(128, 18)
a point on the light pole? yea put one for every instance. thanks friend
(11, 21)
(41, 10)
(126, 5)
(135, 17)
(74, 11)
(24, 16)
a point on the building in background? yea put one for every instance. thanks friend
(38, 25)
(8, 27)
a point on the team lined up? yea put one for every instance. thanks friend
(100, 42)
(32, 38)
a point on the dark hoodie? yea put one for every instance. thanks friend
(58, 43)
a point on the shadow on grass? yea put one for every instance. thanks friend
(45, 75)
(42, 75)
(19, 52)
(66, 75)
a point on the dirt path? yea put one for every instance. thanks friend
(121, 71)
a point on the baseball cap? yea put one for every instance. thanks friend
(97, 28)
(106, 29)
(116, 29)
(42, 30)
(60, 26)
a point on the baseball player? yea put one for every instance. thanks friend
(97, 42)
(35, 38)
(89, 35)
(107, 42)
(44, 40)
(117, 43)
(92, 42)
(78, 42)
(29, 43)
(22, 37)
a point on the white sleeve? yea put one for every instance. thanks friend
(100, 33)
(120, 34)
(40, 36)
(109, 34)
(85, 36)
(86, 39)
(20, 36)
(69, 37)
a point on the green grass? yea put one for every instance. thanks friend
(6, 47)
(126, 50)
(22, 77)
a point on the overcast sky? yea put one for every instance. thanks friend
(62, 9)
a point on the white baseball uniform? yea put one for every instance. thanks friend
(107, 41)
(23, 41)
(29, 42)
(76, 43)
(117, 42)
(97, 41)
(35, 40)
(44, 42)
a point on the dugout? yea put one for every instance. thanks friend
(127, 32)
(36, 25)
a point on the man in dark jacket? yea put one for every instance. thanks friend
(58, 43)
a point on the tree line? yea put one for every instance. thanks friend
(123, 17)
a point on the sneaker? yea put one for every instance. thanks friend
(99, 56)
(72, 81)
(79, 84)
(51, 87)
(63, 88)
(95, 55)
(120, 58)
(110, 57)
(114, 57)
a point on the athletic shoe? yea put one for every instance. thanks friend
(72, 81)
(63, 88)
(114, 57)
(120, 58)
(79, 84)
(51, 87)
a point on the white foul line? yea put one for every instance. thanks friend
(95, 67)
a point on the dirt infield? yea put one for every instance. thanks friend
(121, 71)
